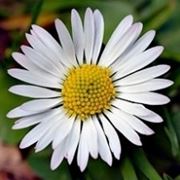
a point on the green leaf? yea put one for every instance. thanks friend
(127, 170)
(166, 177)
(177, 178)
(157, 13)
(98, 170)
(176, 123)
(169, 35)
(142, 163)
(171, 133)
(36, 10)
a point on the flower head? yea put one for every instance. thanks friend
(82, 97)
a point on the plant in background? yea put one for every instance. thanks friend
(83, 96)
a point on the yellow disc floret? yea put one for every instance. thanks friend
(87, 90)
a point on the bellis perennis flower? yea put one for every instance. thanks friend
(83, 97)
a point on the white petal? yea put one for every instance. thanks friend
(103, 146)
(89, 33)
(123, 127)
(48, 52)
(41, 61)
(58, 155)
(149, 98)
(149, 116)
(152, 117)
(22, 60)
(51, 44)
(123, 26)
(139, 61)
(40, 104)
(33, 136)
(128, 38)
(151, 85)
(30, 120)
(37, 132)
(146, 114)
(18, 112)
(91, 132)
(20, 124)
(64, 129)
(99, 32)
(73, 139)
(141, 44)
(33, 91)
(66, 42)
(112, 136)
(131, 108)
(78, 35)
(45, 140)
(135, 123)
(83, 154)
(143, 75)
(33, 78)
(138, 47)
(48, 40)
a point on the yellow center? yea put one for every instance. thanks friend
(87, 90)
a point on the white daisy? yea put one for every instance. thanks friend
(83, 97)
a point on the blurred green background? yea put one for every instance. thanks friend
(159, 158)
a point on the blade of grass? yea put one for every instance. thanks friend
(35, 13)
(158, 17)
(36, 10)
(171, 134)
(142, 163)
(127, 170)
(166, 177)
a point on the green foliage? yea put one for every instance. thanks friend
(171, 133)
(127, 170)
(36, 10)
(169, 35)
(142, 163)
(166, 177)
(98, 170)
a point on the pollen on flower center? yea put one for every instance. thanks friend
(87, 90)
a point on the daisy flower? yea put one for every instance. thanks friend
(83, 95)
